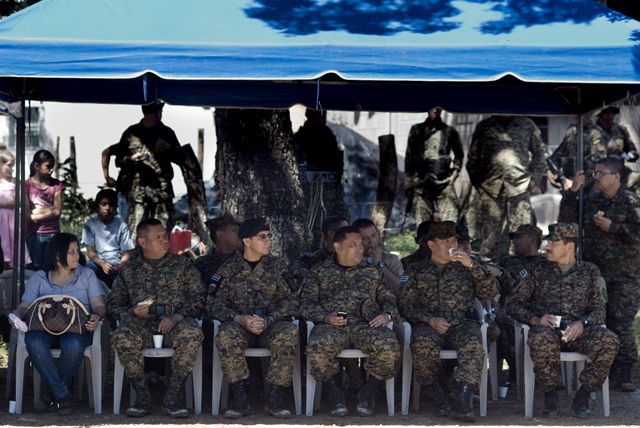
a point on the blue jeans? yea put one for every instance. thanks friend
(72, 346)
(37, 244)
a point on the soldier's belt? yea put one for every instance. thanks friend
(162, 309)
(458, 315)
(261, 312)
(626, 264)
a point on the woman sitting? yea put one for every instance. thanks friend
(62, 274)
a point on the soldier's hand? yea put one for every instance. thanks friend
(578, 181)
(139, 310)
(166, 325)
(136, 158)
(547, 320)
(376, 255)
(603, 223)
(252, 323)
(460, 256)
(110, 181)
(334, 320)
(574, 331)
(552, 180)
(380, 321)
(439, 324)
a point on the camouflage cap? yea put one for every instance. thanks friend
(526, 229)
(151, 108)
(601, 110)
(423, 229)
(252, 227)
(560, 231)
(216, 223)
(443, 229)
(463, 233)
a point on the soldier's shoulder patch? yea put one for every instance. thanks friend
(404, 278)
(214, 283)
(524, 273)
(308, 254)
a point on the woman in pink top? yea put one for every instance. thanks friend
(7, 207)
(45, 204)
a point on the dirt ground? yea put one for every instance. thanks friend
(625, 410)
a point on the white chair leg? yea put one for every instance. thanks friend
(605, 397)
(483, 389)
(569, 377)
(407, 369)
(519, 362)
(493, 370)
(297, 384)
(197, 382)
(529, 378)
(216, 382)
(96, 374)
(391, 384)
(21, 359)
(118, 377)
(311, 390)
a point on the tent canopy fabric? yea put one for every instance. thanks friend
(480, 56)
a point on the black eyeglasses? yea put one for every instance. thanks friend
(599, 173)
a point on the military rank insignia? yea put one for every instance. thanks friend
(215, 282)
(524, 273)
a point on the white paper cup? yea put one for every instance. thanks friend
(12, 406)
(451, 250)
(157, 340)
(502, 391)
(558, 320)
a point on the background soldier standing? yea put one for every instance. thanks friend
(423, 252)
(255, 305)
(347, 284)
(506, 162)
(158, 293)
(429, 177)
(561, 286)
(436, 297)
(611, 221)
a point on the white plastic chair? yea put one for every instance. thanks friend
(92, 353)
(407, 367)
(193, 382)
(219, 386)
(530, 377)
(314, 388)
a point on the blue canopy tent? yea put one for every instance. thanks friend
(538, 57)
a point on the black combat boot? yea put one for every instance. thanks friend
(626, 378)
(143, 398)
(240, 404)
(274, 406)
(439, 399)
(338, 405)
(551, 404)
(171, 405)
(581, 403)
(462, 409)
(614, 376)
(367, 396)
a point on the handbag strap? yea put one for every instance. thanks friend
(70, 307)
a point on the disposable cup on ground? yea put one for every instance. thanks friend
(502, 391)
(157, 340)
(12, 406)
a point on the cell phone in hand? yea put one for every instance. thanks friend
(343, 315)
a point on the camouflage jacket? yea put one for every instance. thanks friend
(310, 260)
(499, 156)
(209, 264)
(175, 282)
(546, 290)
(243, 291)
(428, 154)
(330, 289)
(622, 241)
(610, 142)
(427, 291)
(414, 258)
(514, 268)
(566, 155)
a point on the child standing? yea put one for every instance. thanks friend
(7, 207)
(45, 205)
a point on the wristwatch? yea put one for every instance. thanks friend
(389, 315)
(584, 321)
(381, 264)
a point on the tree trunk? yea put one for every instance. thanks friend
(387, 182)
(258, 176)
(192, 174)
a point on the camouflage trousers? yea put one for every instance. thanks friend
(623, 289)
(140, 207)
(507, 339)
(465, 338)
(327, 341)
(495, 218)
(598, 343)
(281, 339)
(134, 335)
(447, 202)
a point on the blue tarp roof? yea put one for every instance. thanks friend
(483, 56)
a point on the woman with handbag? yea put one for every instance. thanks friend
(64, 319)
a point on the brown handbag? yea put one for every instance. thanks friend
(57, 314)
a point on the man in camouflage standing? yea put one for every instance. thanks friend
(145, 153)
(611, 222)
(506, 162)
(563, 286)
(157, 293)
(437, 296)
(423, 250)
(255, 305)
(429, 175)
(346, 284)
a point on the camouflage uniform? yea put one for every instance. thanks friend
(175, 286)
(261, 291)
(151, 192)
(545, 289)
(309, 260)
(617, 255)
(566, 155)
(428, 169)
(449, 294)
(209, 264)
(414, 258)
(362, 292)
(500, 169)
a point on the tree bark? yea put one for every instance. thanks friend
(258, 176)
(192, 174)
(387, 182)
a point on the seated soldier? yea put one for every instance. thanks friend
(300, 268)
(423, 252)
(374, 254)
(350, 303)
(255, 305)
(437, 295)
(562, 286)
(107, 239)
(157, 293)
